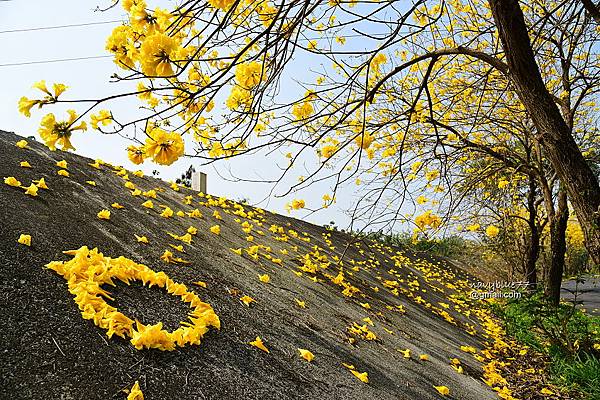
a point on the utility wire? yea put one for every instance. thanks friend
(44, 28)
(54, 61)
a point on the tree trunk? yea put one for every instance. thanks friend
(533, 249)
(558, 247)
(554, 134)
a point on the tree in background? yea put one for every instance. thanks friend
(393, 89)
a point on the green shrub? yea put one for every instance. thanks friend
(564, 333)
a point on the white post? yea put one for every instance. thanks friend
(199, 182)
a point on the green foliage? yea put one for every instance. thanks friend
(564, 333)
(581, 373)
(450, 246)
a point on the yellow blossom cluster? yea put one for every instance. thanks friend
(90, 269)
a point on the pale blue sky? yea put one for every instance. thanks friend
(89, 78)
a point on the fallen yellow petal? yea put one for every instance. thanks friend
(12, 181)
(104, 214)
(32, 190)
(259, 344)
(25, 239)
(135, 393)
(307, 355)
(443, 390)
(141, 239)
(247, 300)
(363, 376)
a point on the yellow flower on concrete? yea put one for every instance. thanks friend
(63, 172)
(25, 164)
(259, 344)
(135, 393)
(443, 390)
(247, 300)
(264, 278)
(32, 190)
(104, 214)
(216, 229)
(141, 239)
(307, 355)
(167, 213)
(12, 181)
(41, 183)
(25, 239)
(363, 376)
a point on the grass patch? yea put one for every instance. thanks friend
(569, 337)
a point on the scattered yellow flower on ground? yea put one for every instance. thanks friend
(167, 256)
(92, 183)
(468, 349)
(216, 229)
(135, 393)
(546, 392)
(424, 357)
(300, 303)
(63, 172)
(264, 278)
(363, 376)
(307, 355)
(41, 183)
(32, 190)
(117, 205)
(104, 214)
(247, 300)
(200, 283)
(141, 239)
(12, 181)
(25, 164)
(21, 144)
(443, 390)
(405, 353)
(167, 213)
(148, 204)
(259, 344)
(62, 164)
(25, 239)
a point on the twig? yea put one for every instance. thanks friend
(57, 346)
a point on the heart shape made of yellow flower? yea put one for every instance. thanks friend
(89, 270)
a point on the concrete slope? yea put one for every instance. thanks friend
(50, 352)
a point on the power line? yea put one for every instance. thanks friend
(44, 28)
(53, 61)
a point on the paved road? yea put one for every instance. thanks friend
(588, 292)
